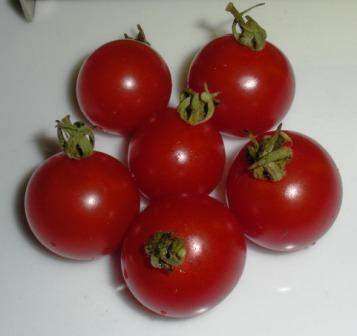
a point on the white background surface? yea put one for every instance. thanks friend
(309, 293)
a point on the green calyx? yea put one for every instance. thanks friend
(252, 35)
(76, 139)
(270, 156)
(165, 250)
(196, 108)
(139, 37)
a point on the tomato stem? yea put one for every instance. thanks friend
(252, 35)
(270, 155)
(76, 139)
(140, 37)
(165, 250)
(196, 108)
(252, 7)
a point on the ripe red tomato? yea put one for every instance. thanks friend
(169, 156)
(256, 86)
(183, 255)
(81, 208)
(297, 209)
(121, 84)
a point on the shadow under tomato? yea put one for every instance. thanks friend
(220, 191)
(116, 275)
(46, 145)
(123, 151)
(71, 91)
(16, 7)
(184, 68)
(259, 249)
(215, 30)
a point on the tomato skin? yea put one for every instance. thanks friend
(121, 84)
(294, 212)
(80, 209)
(214, 261)
(167, 156)
(256, 87)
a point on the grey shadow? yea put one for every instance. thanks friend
(124, 150)
(116, 276)
(71, 89)
(16, 7)
(214, 30)
(46, 145)
(221, 188)
(259, 249)
(184, 69)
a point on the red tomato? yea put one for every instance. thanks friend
(256, 87)
(169, 156)
(121, 84)
(81, 208)
(183, 255)
(291, 213)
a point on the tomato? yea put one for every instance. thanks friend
(169, 156)
(256, 86)
(81, 208)
(295, 210)
(183, 255)
(121, 84)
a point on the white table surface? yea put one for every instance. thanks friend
(309, 293)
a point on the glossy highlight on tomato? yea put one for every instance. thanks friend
(208, 270)
(294, 212)
(121, 84)
(168, 156)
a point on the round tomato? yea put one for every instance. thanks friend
(121, 84)
(254, 79)
(80, 208)
(183, 255)
(285, 191)
(169, 156)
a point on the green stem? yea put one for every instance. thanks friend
(270, 155)
(252, 35)
(165, 250)
(196, 108)
(76, 139)
(250, 8)
(140, 37)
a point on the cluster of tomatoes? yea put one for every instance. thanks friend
(186, 251)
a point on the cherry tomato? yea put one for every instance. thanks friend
(121, 84)
(295, 210)
(169, 156)
(183, 255)
(81, 208)
(256, 86)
